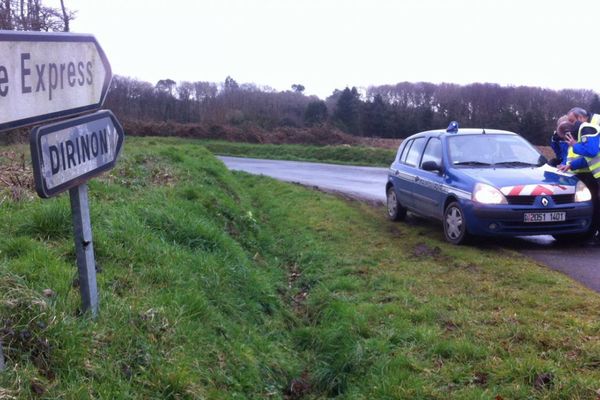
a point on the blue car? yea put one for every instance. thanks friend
(484, 182)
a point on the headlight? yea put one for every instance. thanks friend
(582, 193)
(486, 194)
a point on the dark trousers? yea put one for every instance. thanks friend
(594, 186)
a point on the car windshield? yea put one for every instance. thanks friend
(492, 150)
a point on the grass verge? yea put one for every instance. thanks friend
(343, 154)
(220, 285)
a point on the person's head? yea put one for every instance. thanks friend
(562, 119)
(577, 114)
(564, 128)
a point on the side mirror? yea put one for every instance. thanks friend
(431, 166)
(543, 160)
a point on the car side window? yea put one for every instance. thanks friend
(433, 151)
(405, 149)
(414, 153)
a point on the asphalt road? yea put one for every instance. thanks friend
(580, 262)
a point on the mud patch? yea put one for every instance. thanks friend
(543, 381)
(395, 232)
(28, 340)
(298, 387)
(161, 175)
(467, 266)
(450, 326)
(298, 299)
(480, 378)
(423, 250)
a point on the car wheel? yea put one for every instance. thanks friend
(455, 224)
(396, 211)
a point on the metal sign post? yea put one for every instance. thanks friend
(86, 265)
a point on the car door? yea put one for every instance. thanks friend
(399, 176)
(429, 195)
(406, 171)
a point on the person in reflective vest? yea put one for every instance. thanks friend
(578, 116)
(587, 143)
(588, 148)
(584, 159)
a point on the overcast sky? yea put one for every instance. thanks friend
(329, 44)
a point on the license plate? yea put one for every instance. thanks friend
(545, 217)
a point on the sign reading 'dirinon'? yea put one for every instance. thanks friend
(67, 154)
(45, 76)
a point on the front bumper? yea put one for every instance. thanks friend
(508, 220)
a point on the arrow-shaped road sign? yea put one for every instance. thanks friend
(68, 153)
(46, 76)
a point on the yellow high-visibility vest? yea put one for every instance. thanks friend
(592, 162)
(571, 156)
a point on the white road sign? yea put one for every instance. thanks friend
(68, 153)
(45, 76)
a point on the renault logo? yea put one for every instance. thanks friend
(544, 201)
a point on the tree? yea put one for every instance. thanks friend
(67, 16)
(185, 91)
(316, 113)
(166, 86)
(375, 119)
(32, 15)
(204, 90)
(230, 84)
(296, 87)
(396, 110)
(347, 110)
(533, 126)
(594, 106)
(166, 102)
(6, 15)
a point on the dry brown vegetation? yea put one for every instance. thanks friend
(16, 176)
(317, 135)
(321, 135)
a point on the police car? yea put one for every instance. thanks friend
(484, 182)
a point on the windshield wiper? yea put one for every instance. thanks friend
(516, 164)
(475, 163)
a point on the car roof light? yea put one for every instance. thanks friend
(453, 127)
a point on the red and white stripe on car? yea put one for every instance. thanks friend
(537, 190)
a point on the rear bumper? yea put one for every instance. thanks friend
(508, 220)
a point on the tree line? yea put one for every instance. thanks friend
(33, 15)
(389, 111)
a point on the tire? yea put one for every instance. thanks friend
(395, 210)
(455, 224)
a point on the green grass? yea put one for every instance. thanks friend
(354, 155)
(230, 286)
